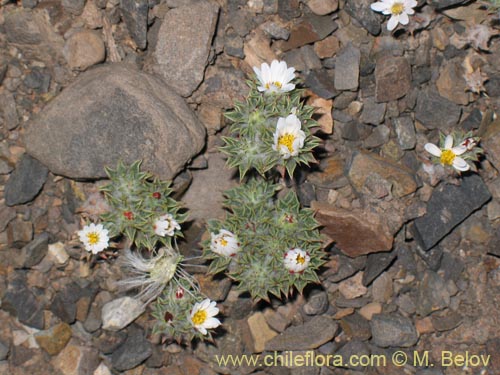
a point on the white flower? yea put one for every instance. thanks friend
(94, 237)
(449, 154)
(296, 260)
(275, 78)
(398, 9)
(225, 243)
(166, 225)
(289, 138)
(202, 316)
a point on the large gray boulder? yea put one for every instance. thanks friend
(114, 113)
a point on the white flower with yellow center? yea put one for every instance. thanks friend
(449, 154)
(275, 78)
(296, 260)
(94, 237)
(202, 316)
(288, 138)
(225, 243)
(398, 9)
(166, 225)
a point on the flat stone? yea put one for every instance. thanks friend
(84, 49)
(120, 312)
(54, 340)
(350, 350)
(347, 68)
(327, 47)
(362, 165)
(276, 30)
(64, 304)
(405, 130)
(393, 330)
(340, 267)
(58, 253)
(7, 214)
(330, 174)
(356, 327)
(490, 140)
(392, 78)
(323, 7)
(21, 303)
(135, 350)
(213, 287)
(353, 287)
(447, 321)
(361, 11)
(317, 303)
(181, 52)
(371, 309)
(311, 29)
(310, 335)
(378, 137)
(19, 232)
(77, 360)
(302, 59)
(321, 82)
(376, 264)
(451, 84)
(436, 112)
(355, 232)
(34, 252)
(75, 134)
(382, 288)
(135, 16)
(9, 110)
(74, 7)
(442, 4)
(373, 113)
(260, 330)
(433, 294)
(25, 182)
(472, 121)
(443, 214)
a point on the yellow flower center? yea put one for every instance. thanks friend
(199, 317)
(447, 157)
(275, 84)
(287, 141)
(397, 8)
(300, 259)
(93, 238)
(223, 241)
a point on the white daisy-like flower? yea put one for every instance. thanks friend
(166, 225)
(288, 138)
(94, 237)
(449, 154)
(296, 260)
(225, 243)
(398, 9)
(275, 78)
(202, 316)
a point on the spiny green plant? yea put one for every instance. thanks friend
(137, 201)
(266, 228)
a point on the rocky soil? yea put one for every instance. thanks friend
(413, 250)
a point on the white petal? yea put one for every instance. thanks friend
(261, 88)
(378, 7)
(409, 11)
(410, 3)
(460, 164)
(211, 323)
(431, 148)
(202, 329)
(393, 22)
(403, 19)
(266, 73)
(459, 150)
(448, 142)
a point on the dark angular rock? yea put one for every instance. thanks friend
(74, 7)
(135, 15)
(473, 121)
(9, 110)
(321, 82)
(356, 327)
(317, 303)
(64, 302)
(436, 112)
(492, 86)
(393, 330)
(33, 253)
(378, 137)
(20, 302)
(311, 29)
(38, 80)
(432, 294)
(25, 182)
(443, 212)
(302, 59)
(442, 4)
(431, 257)
(352, 349)
(135, 350)
(4, 350)
(306, 194)
(392, 78)
(446, 322)
(376, 264)
(7, 214)
(347, 68)
(361, 11)
(30, 4)
(373, 112)
(405, 131)
(288, 9)
(421, 74)
(452, 266)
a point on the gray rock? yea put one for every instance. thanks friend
(392, 78)
(83, 49)
(405, 131)
(7, 214)
(30, 4)
(9, 110)
(120, 312)
(380, 135)
(317, 303)
(275, 30)
(452, 266)
(353, 349)
(135, 350)
(432, 294)
(345, 267)
(447, 321)
(356, 327)
(33, 253)
(321, 83)
(441, 4)
(310, 335)
(25, 182)
(473, 121)
(233, 45)
(443, 212)
(20, 28)
(373, 112)
(64, 304)
(303, 59)
(361, 11)
(5, 166)
(38, 80)
(181, 52)
(135, 16)
(74, 7)
(76, 133)
(4, 350)
(347, 68)
(377, 263)
(393, 330)
(434, 111)
(108, 341)
(21, 303)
